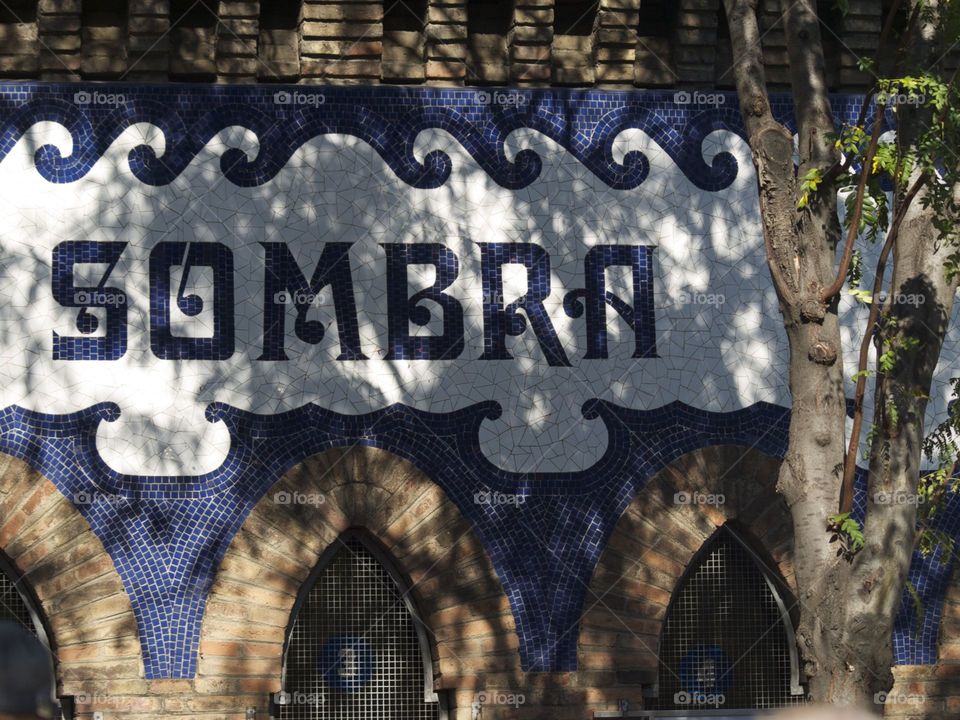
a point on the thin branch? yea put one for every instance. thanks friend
(850, 463)
(853, 222)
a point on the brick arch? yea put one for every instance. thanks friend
(653, 543)
(454, 583)
(87, 613)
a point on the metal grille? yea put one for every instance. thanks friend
(724, 642)
(12, 605)
(353, 651)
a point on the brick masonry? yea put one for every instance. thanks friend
(455, 586)
(475, 639)
(345, 42)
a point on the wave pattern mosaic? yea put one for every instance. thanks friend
(540, 298)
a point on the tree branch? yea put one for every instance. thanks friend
(853, 221)
(808, 79)
(850, 463)
(772, 147)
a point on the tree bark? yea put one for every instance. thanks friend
(801, 247)
(847, 607)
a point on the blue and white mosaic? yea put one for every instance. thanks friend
(548, 293)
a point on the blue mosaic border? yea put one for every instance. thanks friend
(170, 538)
(388, 118)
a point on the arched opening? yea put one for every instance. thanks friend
(103, 38)
(728, 638)
(18, 11)
(488, 24)
(193, 39)
(404, 38)
(279, 42)
(655, 43)
(19, 49)
(572, 51)
(356, 646)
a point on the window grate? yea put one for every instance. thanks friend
(724, 643)
(12, 605)
(353, 652)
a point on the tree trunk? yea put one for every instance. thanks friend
(801, 248)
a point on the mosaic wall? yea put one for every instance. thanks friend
(540, 298)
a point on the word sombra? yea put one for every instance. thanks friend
(285, 279)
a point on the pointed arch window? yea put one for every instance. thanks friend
(728, 640)
(17, 604)
(356, 647)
